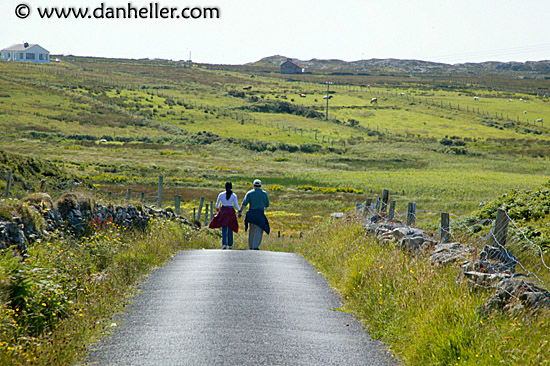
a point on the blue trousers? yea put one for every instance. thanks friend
(227, 237)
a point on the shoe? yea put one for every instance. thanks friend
(230, 247)
(224, 247)
(256, 248)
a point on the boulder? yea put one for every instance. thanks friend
(444, 253)
(514, 294)
(12, 234)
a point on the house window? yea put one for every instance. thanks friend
(9, 55)
(21, 55)
(31, 56)
(42, 57)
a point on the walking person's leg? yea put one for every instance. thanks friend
(258, 238)
(229, 238)
(225, 229)
(251, 232)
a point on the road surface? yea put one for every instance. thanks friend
(238, 307)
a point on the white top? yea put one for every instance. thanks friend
(232, 201)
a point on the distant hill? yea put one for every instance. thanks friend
(530, 68)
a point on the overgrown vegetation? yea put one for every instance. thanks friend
(63, 295)
(419, 309)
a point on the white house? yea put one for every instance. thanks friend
(26, 52)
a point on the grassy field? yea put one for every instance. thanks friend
(120, 124)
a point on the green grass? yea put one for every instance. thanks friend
(63, 297)
(188, 125)
(420, 310)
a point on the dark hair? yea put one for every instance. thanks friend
(228, 191)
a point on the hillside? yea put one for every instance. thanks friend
(120, 124)
(513, 69)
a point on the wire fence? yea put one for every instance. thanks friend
(490, 249)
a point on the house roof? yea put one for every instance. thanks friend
(21, 47)
(292, 62)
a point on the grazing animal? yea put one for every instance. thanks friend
(247, 88)
(401, 94)
(374, 100)
(476, 98)
(302, 95)
(327, 97)
(539, 120)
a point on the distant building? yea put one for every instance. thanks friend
(289, 67)
(27, 53)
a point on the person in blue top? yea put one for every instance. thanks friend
(258, 200)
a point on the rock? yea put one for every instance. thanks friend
(514, 295)
(499, 254)
(413, 244)
(485, 279)
(337, 215)
(444, 253)
(12, 234)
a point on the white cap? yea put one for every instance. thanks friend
(257, 183)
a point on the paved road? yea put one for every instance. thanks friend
(214, 307)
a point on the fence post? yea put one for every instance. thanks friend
(201, 202)
(378, 201)
(159, 197)
(367, 205)
(445, 227)
(194, 213)
(128, 194)
(177, 201)
(206, 215)
(500, 229)
(385, 198)
(71, 185)
(42, 185)
(211, 210)
(8, 185)
(392, 211)
(142, 197)
(411, 214)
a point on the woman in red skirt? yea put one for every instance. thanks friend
(225, 218)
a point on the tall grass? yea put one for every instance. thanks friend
(62, 298)
(425, 313)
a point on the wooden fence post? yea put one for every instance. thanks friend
(500, 229)
(201, 202)
(128, 194)
(177, 201)
(194, 213)
(159, 197)
(142, 197)
(392, 211)
(211, 210)
(8, 185)
(367, 206)
(377, 206)
(42, 185)
(411, 214)
(385, 198)
(206, 215)
(445, 227)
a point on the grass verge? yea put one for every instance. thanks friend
(423, 312)
(63, 296)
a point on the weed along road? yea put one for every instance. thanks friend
(214, 307)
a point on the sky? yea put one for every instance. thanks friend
(446, 31)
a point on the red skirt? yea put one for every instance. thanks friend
(226, 217)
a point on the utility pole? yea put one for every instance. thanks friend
(327, 97)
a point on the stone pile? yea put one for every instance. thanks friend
(408, 238)
(494, 266)
(73, 215)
